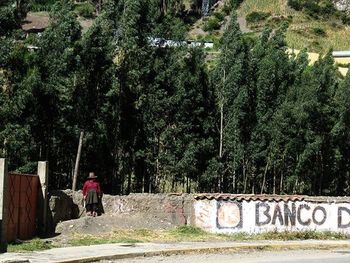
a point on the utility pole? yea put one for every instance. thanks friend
(77, 161)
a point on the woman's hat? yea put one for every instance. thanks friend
(92, 176)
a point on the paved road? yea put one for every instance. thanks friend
(298, 256)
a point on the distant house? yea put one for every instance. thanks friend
(162, 43)
(341, 54)
(34, 23)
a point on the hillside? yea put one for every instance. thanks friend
(314, 30)
(317, 34)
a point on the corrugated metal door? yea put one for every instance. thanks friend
(22, 206)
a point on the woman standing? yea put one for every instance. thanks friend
(92, 193)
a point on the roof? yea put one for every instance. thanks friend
(272, 198)
(35, 22)
(341, 54)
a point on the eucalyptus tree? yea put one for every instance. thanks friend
(309, 159)
(286, 137)
(132, 59)
(188, 137)
(228, 78)
(273, 77)
(341, 137)
(96, 100)
(8, 20)
(55, 61)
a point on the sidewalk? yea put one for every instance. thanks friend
(119, 251)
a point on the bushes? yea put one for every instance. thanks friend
(226, 9)
(219, 16)
(278, 21)
(255, 17)
(215, 20)
(319, 31)
(328, 9)
(85, 10)
(212, 24)
(235, 3)
(295, 4)
(41, 5)
(8, 20)
(345, 19)
(313, 8)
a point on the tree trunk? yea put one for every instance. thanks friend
(222, 117)
(221, 129)
(77, 161)
(234, 181)
(157, 176)
(164, 7)
(252, 179)
(274, 179)
(320, 183)
(296, 186)
(245, 176)
(221, 176)
(264, 178)
(281, 183)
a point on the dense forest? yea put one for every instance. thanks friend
(159, 119)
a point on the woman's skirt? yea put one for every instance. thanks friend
(91, 197)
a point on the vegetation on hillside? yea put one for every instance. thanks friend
(156, 119)
(315, 25)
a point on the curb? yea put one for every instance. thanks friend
(203, 250)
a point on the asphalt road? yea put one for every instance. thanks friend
(290, 256)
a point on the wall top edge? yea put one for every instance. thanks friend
(272, 198)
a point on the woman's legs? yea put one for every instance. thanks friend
(89, 209)
(94, 209)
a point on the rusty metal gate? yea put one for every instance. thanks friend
(22, 206)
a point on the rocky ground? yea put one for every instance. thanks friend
(104, 225)
(109, 223)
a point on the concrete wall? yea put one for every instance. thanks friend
(169, 210)
(222, 216)
(240, 213)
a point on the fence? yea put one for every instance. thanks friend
(23, 204)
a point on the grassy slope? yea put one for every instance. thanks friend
(300, 33)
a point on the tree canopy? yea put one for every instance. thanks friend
(158, 119)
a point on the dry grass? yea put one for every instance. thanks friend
(301, 36)
(179, 234)
(194, 234)
(275, 7)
